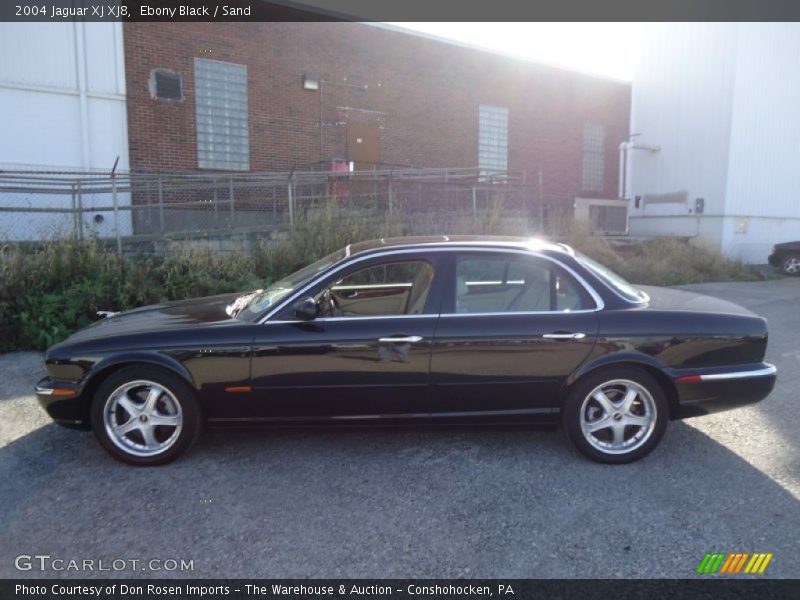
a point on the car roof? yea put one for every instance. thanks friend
(461, 241)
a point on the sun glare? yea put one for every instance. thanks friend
(604, 49)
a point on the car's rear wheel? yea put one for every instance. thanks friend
(616, 415)
(791, 264)
(145, 416)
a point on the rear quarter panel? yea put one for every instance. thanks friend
(678, 340)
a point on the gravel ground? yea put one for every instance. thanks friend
(416, 503)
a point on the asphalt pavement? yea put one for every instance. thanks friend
(496, 502)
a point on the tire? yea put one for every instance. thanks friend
(126, 407)
(615, 440)
(790, 264)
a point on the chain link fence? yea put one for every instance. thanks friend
(140, 212)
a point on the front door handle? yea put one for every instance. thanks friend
(407, 339)
(564, 336)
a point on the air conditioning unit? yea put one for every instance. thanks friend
(603, 216)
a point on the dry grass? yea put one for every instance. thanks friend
(51, 290)
(663, 261)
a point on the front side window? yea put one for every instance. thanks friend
(387, 289)
(508, 285)
(250, 306)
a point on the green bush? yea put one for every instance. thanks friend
(57, 287)
(51, 290)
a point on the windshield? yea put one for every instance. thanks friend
(249, 306)
(614, 281)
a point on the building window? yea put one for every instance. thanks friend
(166, 85)
(223, 140)
(493, 138)
(594, 139)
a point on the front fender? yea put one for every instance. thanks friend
(142, 357)
(84, 375)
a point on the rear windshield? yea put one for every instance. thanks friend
(612, 280)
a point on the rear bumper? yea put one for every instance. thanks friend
(63, 402)
(702, 392)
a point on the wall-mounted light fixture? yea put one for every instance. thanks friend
(310, 82)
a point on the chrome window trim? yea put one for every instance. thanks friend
(363, 318)
(519, 313)
(372, 286)
(510, 282)
(598, 300)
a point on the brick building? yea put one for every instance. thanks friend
(251, 96)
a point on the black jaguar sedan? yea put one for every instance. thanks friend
(448, 330)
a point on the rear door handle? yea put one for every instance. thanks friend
(564, 336)
(408, 339)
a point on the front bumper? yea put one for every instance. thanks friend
(774, 260)
(63, 402)
(702, 392)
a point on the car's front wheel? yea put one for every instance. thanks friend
(616, 415)
(790, 265)
(145, 416)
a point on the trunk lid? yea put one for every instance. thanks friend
(670, 299)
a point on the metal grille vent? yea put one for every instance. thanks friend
(166, 85)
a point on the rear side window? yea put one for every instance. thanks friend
(612, 280)
(507, 285)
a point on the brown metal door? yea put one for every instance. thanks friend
(363, 146)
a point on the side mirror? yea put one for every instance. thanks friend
(306, 309)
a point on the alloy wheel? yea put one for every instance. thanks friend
(791, 265)
(143, 418)
(618, 416)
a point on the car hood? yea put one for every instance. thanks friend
(685, 301)
(184, 314)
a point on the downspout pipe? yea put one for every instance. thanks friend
(625, 154)
(623, 157)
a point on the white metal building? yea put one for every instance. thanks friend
(62, 108)
(717, 110)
